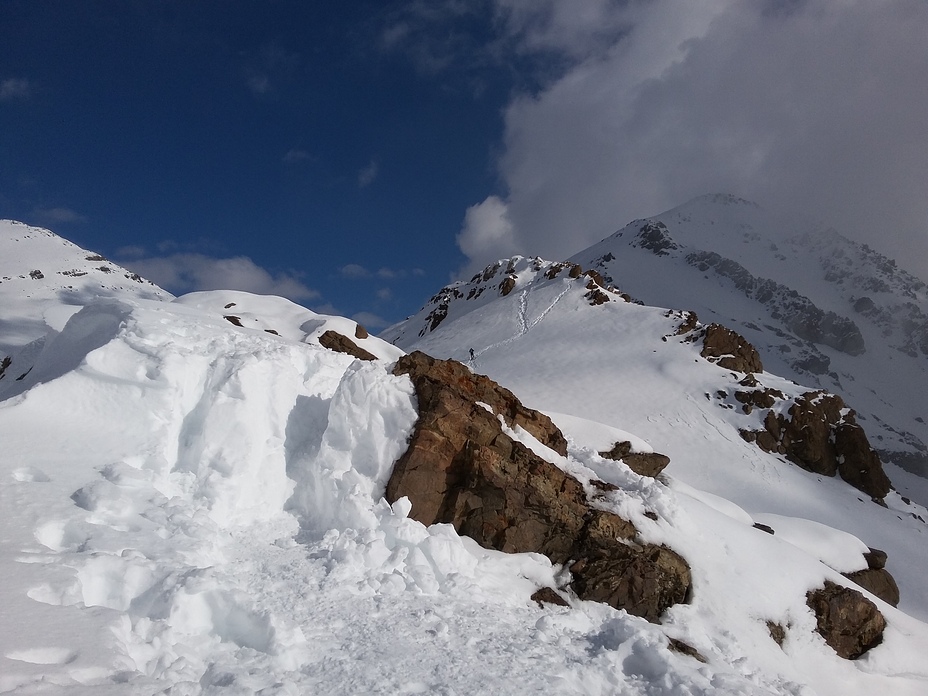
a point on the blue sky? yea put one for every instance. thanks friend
(354, 156)
(281, 131)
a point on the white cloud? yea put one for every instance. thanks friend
(487, 234)
(813, 105)
(58, 215)
(131, 252)
(354, 270)
(384, 294)
(368, 174)
(370, 320)
(14, 88)
(295, 155)
(268, 68)
(188, 272)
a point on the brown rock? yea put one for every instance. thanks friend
(777, 632)
(679, 646)
(730, 350)
(546, 595)
(507, 286)
(232, 319)
(642, 463)
(360, 332)
(849, 622)
(644, 580)
(760, 398)
(819, 435)
(342, 344)
(858, 464)
(875, 558)
(460, 468)
(688, 324)
(878, 581)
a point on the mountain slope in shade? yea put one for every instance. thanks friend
(821, 309)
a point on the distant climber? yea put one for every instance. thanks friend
(471, 353)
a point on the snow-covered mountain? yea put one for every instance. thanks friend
(42, 275)
(194, 495)
(821, 309)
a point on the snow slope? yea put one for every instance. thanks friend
(821, 309)
(195, 507)
(45, 278)
(622, 365)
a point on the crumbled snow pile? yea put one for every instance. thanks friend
(195, 506)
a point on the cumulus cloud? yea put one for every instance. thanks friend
(188, 272)
(814, 106)
(488, 233)
(14, 88)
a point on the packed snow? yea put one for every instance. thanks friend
(195, 506)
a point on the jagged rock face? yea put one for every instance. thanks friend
(818, 435)
(798, 312)
(849, 622)
(642, 463)
(461, 468)
(342, 344)
(730, 350)
(655, 237)
(858, 464)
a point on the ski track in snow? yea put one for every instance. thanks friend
(522, 318)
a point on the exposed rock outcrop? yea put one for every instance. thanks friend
(878, 582)
(821, 435)
(849, 622)
(342, 344)
(461, 468)
(730, 350)
(799, 313)
(655, 237)
(875, 578)
(642, 463)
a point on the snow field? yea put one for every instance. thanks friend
(199, 510)
(625, 368)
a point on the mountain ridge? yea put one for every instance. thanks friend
(199, 494)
